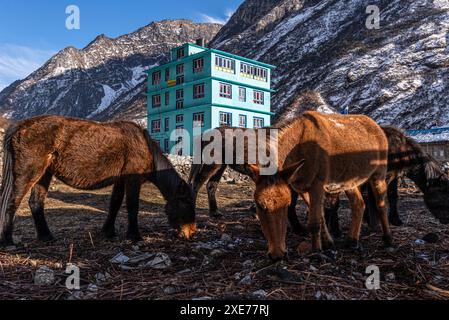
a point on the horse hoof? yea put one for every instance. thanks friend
(353, 244)
(328, 245)
(133, 237)
(396, 222)
(46, 238)
(336, 233)
(298, 230)
(215, 214)
(109, 234)
(388, 240)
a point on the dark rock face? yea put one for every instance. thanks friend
(397, 74)
(104, 79)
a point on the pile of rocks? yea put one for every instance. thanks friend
(183, 164)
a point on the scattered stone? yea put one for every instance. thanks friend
(420, 242)
(246, 281)
(102, 277)
(226, 237)
(231, 246)
(44, 276)
(76, 295)
(357, 275)
(93, 288)
(285, 275)
(312, 268)
(354, 262)
(237, 276)
(217, 253)
(239, 227)
(390, 277)
(140, 258)
(170, 290)
(120, 258)
(202, 299)
(185, 271)
(260, 294)
(160, 261)
(184, 259)
(431, 238)
(135, 248)
(318, 295)
(248, 264)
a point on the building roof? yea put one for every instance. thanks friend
(430, 135)
(223, 53)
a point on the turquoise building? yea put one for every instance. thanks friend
(206, 88)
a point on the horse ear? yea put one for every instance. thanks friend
(254, 168)
(290, 173)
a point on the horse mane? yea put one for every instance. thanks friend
(414, 161)
(307, 100)
(163, 175)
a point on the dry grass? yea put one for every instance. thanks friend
(420, 271)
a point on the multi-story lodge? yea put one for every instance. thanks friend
(207, 88)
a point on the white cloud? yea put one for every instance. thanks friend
(17, 62)
(221, 20)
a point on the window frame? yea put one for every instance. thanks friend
(225, 94)
(180, 118)
(240, 96)
(156, 81)
(153, 130)
(153, 99)
(166, 124)
(228, 114)
(261, 99)
(202, 93)
(244, 116)
(180, 53)
(258, 119)
(202, 120)
(197, 69)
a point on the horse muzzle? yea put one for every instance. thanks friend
(188, 230)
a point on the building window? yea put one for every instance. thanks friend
(225, 119)
(253, 72)
(258, 97)
(167, 124)
(259, 123)
(225, 90)
(242, 121)
(198, 91)
(167, 74)
(166, 145)
(167, 98)
(179, 99)
(198, 119)
(180, 53)
(156, 101)
(242, 94)
(156, 126)
(198, 65)
(179, 80)
(225, 64)
(180, 69)
(179, 118)
(156, 78)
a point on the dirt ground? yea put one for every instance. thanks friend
(226, 260)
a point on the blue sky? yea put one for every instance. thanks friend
(32, 31)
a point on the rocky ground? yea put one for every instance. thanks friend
(226, 259)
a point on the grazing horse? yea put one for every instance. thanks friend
(405, 157)
(88, 155)
(320, 153)
(211, 173)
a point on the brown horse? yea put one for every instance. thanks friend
(405, 157)
(88, 155)
(321, 153)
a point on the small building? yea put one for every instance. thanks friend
(208, 87)
(434, 141)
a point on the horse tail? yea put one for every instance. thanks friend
(194, 172)
(6, 190)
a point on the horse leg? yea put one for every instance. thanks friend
(13, 194)
(36, 202)
(357, 208)
(292, 216)
(316, 223)
(211, 188)
(392, 193)
(118, 193)
(371, 216)
(331, 206)
(132, 203)
(379, 187)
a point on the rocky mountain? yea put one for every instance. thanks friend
(104, 79)
(397, 74)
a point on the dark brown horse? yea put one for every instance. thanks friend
(88, 155)
(405, 157)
